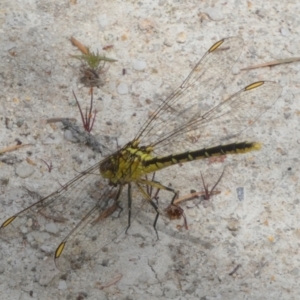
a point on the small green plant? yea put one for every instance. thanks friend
(94, 60)
(92, 64)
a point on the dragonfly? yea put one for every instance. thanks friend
(93, 198)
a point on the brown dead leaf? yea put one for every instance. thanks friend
(12, 148)
(80, 46)
(30, 161)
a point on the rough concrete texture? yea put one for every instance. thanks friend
(236, 247)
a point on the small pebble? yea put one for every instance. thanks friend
(146, 24)
(38, 236)
(51, 227)
(24, 170)
(168, 42)
(284, 32)
(181, 38)
(233, 225)
(62, 285)
(20, 122)
(139, 65)
(8, 123)
(46, 249)
(23, 229)
(122, 88)
(68, 135)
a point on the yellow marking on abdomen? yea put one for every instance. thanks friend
(158, 163)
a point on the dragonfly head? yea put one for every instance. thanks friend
(108, 168)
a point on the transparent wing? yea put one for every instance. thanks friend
(97, 229)
(66, 207)
(189, 114)
(101, 226)
(87, 214)
(89, 235)
(225, 121)
(208, 73)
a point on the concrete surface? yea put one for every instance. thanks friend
(234, 249)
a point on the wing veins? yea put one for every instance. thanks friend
(207, 62)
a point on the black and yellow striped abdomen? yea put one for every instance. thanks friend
(158, 163)
(133, 162)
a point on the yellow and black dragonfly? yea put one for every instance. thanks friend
(93, 197)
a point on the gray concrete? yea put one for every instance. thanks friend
(157, 42)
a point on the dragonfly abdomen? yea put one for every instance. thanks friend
(158, 163)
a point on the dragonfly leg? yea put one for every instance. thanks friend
(117, 200)
(129, 206)
(159, 186)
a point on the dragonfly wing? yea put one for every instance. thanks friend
(97, 228)
(238, 112)
(204, 78)
(70, 202)
(225, 121)
(100, 227)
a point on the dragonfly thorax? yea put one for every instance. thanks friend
(127, 164)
